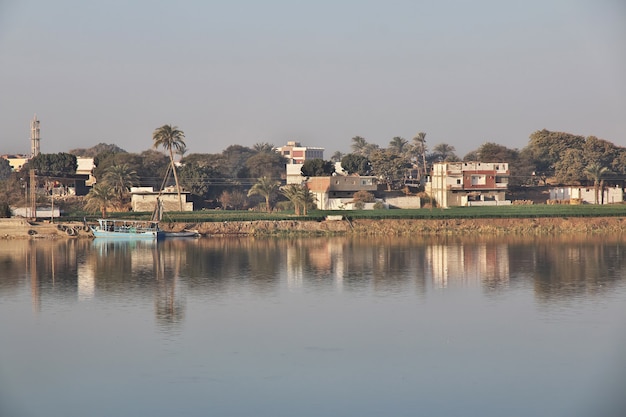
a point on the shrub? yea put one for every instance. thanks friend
(5, 210)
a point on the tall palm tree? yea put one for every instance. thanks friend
(101, 197)
(419, 143)
(595, 172)
(397, 145)
(307, 198)
(444, 151)
(359, 145)
(336, 156)
(120, 178)
(267, 188)
(263, 147)
(292, 193)
(171, 139)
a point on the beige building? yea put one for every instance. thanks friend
(337, 192)
(145, 199)
(468, 183)
(16, 161)
(297, 154)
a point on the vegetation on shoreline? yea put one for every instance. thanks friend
(500, 212)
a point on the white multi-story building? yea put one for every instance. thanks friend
(297, 154)
(468, 183)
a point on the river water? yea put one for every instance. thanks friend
(313, 327)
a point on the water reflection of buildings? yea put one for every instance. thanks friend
(468, 264)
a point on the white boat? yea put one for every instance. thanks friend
(183, 233)
(127, 229)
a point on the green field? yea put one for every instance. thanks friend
(514, 211)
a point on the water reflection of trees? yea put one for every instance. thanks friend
(171, 270)
(576, 268)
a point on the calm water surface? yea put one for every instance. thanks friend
(313, 327)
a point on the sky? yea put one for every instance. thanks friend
(317, 72)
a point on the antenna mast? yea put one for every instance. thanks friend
(34, 137)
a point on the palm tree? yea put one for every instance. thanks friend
(336, 156)
(397, 145)
(595, 172)
(171, 139)
(419, 143)
(263, 147)
(267, 188)
(101, 197)
(120, 178)
(444, 151)
(292, 193)
(306, 198)
(359, 145)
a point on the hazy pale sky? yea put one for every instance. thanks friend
(319, 72)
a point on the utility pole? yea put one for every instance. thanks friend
(33, 195)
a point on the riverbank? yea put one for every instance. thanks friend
(22, 229)
(396, 227)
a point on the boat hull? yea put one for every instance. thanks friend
(128, 235)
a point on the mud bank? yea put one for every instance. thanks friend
(526, 227)
(21, 229)
(18, 228)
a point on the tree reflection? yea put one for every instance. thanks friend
(211, 267)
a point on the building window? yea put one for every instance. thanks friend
(458, 181)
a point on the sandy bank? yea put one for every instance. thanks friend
(21, 229)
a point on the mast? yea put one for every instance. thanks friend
(34, 137)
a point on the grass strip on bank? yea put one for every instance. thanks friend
(499, 212)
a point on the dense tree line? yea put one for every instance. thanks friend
(238, 176)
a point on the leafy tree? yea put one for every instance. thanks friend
(198, 179)
(50, 164)
(99, 149)
(266, 164)
(364, 197)
(171, 139)
(233, 199)
(600, 151)
(120, 178)
(266, 188)
(152, 168)
(101, 198)
(317, 168)
(595, 172)
(545, 148)
(389, 167)
(235, 157)
(492, 152)
(570, 168)
(356, 164)
(5, 169)
(472, 156)
(5, 210)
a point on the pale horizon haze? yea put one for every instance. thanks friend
(244, 72)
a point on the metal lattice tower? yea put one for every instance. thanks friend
(34, 137)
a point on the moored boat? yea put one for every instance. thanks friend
(127, 229)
